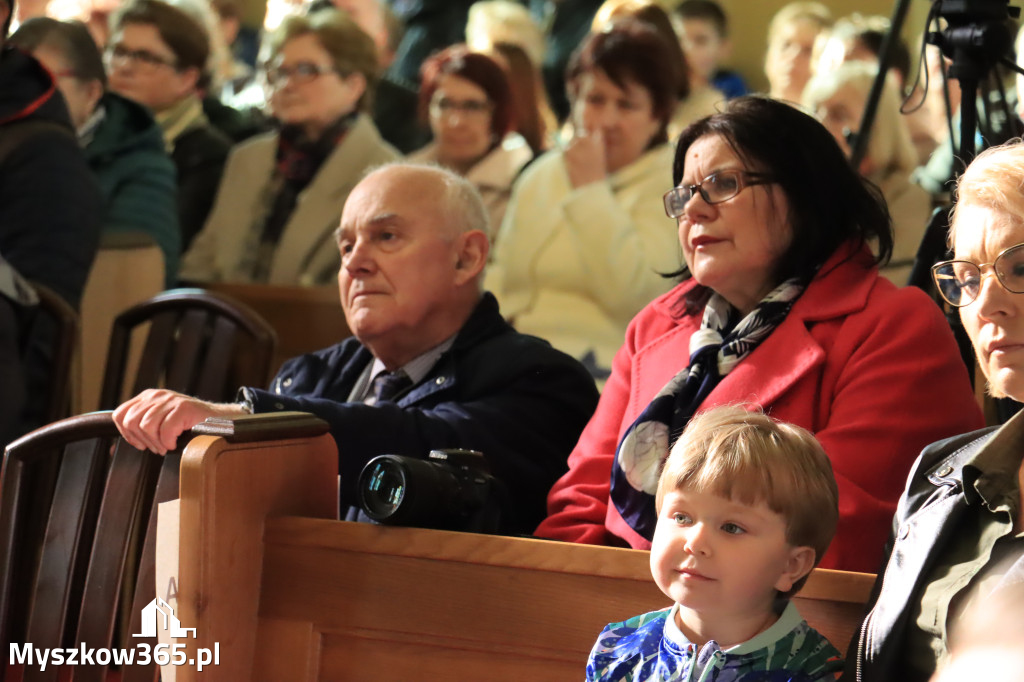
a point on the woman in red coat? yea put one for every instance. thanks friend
(781, 307)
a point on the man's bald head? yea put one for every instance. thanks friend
(454, 196)
(413, 246)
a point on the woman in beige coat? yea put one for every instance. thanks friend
(282, 193)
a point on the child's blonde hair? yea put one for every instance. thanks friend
(752, 458)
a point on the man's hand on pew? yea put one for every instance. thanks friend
(155, 418)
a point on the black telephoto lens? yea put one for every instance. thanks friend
(382, 486)
(403, 491)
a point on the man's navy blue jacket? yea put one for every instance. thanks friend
(511, 396)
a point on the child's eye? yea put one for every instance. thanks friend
(682, 519)
(733, 529)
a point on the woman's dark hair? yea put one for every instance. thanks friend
(524, 82)
(478, 69)
(630, 50)
(830, 204)
(71, 39)
(655, 16)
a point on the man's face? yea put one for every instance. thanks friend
(703, 46)
(402, 267)
(143, 68)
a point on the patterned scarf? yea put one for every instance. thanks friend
(297, 161)
(715, 349)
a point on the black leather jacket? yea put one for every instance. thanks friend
(931, 508)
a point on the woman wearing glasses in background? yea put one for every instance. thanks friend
(783, 308)
(281, 197)
(584, 242)
(960, 537)
(157, 56)
(465, 98)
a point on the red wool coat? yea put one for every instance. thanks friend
(872, 370)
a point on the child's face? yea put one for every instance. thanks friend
(788, 62)
(703, 46)
(721, 559)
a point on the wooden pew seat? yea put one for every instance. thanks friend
(290, 597)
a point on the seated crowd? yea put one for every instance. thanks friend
(577, 251)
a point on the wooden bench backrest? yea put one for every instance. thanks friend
(317, 599)
(305, 318)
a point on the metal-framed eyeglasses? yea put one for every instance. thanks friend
(445, 107)
(299, 73)
(714, 189)
(119, 56)
(959, 281)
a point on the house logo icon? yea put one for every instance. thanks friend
(158, 614)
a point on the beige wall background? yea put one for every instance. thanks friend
(748, 21)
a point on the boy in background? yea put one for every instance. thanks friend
(703, 30)
(746, 508)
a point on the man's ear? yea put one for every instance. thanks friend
(95, 91)
(471, 255)
(801, 561)
(189, 80)
(356, 83)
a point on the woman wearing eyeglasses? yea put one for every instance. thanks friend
(585, 243)
(281, 197)
(959, 532)
(781, 307)
(157, 56)
(465, 99)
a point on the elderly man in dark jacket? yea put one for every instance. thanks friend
(433, 364)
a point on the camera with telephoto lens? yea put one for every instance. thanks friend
(449, 490)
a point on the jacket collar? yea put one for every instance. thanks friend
(483, 323)
(841, 287)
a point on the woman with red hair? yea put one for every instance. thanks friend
(465, 97)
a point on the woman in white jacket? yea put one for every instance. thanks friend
(585, 242)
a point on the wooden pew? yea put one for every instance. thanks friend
(288, 597)
(305, 318)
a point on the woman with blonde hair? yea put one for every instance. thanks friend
(838, 99)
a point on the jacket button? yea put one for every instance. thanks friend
(279, 406)
(904, 531)
(945, 471)
(440, 381)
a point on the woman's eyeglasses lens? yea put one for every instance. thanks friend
(119, 55)
(302, 72)
(714, 189)
(959, 281)
(444, 107)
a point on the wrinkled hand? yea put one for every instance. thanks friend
(585, 157)
(155, 418)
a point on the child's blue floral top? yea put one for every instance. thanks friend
(651, 647)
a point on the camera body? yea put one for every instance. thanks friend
(449, 490)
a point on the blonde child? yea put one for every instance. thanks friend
(746, 508)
